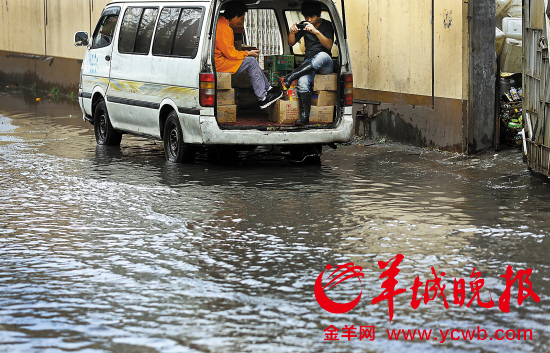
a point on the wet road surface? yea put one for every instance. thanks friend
(114, 250)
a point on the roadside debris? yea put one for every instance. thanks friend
(511, 118)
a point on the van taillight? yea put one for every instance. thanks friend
(348, 89)
(207, 92)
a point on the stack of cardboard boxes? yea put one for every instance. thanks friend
(236, 91)
(323, 99)
(227, 109)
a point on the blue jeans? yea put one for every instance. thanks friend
(322, 63)
(257, 77)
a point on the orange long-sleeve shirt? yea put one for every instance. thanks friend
(226, 57)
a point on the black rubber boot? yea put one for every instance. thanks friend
(305, 107)
(296, 74)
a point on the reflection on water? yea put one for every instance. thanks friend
(112, 249)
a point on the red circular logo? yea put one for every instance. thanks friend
(346, 271)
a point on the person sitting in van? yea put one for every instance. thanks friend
(104, 36)
(318, 35)
(229, 59)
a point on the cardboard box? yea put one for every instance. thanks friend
(240, 81)
(273, 76)
(285, 112)
(279, 62)
(227, 113)
(223, 80)
(325, 82)
(225, 96)
(324, 98)
(321, 115)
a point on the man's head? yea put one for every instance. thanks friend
(234, 13)
(311, 10)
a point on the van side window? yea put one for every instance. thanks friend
(136, 30)
(187, 33)
(105, 29)
(145, 31)
(178, 31)
(166, 29)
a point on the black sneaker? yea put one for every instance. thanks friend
(271, 97)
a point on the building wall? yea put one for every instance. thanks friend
(391, 46)
(23, 26)
(59, 72)
(418, 73)
(64, 18)
(37, 40)
(47, 27)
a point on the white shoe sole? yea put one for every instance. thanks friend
(273, 101)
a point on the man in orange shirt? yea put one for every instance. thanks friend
(229, 59)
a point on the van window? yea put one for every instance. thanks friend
(178, 32)
(136, 30)
(299, 48)
(105, 29)
(145, 31)
(187, 33)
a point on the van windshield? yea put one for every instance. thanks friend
(103, 34)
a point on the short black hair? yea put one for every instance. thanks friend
(311, 8)
(234, 9)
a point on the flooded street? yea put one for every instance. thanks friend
(115, 250)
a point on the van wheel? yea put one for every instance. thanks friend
(175, 150)
(105, 134)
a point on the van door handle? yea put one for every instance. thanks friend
(108, 58)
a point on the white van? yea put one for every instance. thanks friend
(149, 70)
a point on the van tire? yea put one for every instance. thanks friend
(175, 149)
(105, 134)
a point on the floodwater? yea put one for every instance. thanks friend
(115, 250)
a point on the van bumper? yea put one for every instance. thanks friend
(213, 135)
